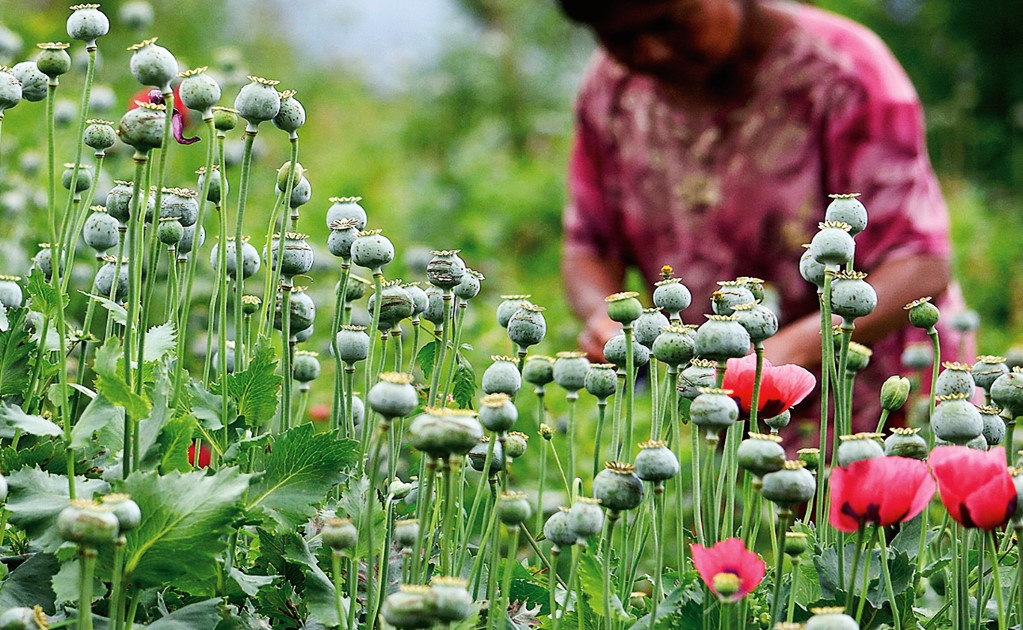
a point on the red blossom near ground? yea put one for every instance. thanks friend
(781, 386)
(880, 491)
(319, 413)
(730, 557)
(178, 120)
(975, 486)
(204, 455)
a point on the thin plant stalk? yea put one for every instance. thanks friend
(936, 349)
(630, 387)
(88, 565)
(134, 261)
(117, 584)
(440, 349)
(572, 397)
(598, 440)
(866, 576)
(701, 537)
(784, 518)
(285, 354)
(792, 591)
(827, 350)
(338, 409)
(857, 556)
(509, 565)
(239, 286)
(335, 561)
(886, 575)
(378, 280)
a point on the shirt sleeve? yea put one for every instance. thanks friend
(874, 145)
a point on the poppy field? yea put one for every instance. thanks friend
(173, 458)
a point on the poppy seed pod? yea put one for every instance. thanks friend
(87, 23)
(478, 456)
(127, 512)
(169, 231)
(258, 101)
(250, 257)
(894, 393)
(761, 454)
(54, 59)
(714, 410)
(923, 314)
(1007, 392)
(181, 204)
(11, 295)
(419, 299)
(339, 534)
(699, 374)
(527, 327)
(759, 321)
(153, 65)
(508, 306)
(217, 183)
(754, 285)
(846, 208)
(301, 193)
(100, 230)
(538, 370)
(302, 310)
(852, 296)
(10, 90)
(393, 396)
(346, 208)
(302, 335)
(497, 412)
(87, 523)
(601, 381)
(189, 239)
(811, 457)
(513, 508)
(305, 367)
(297, 257)
(24, 618)
(722, 337)
(395, 304)
(615, 352)
(142, 127)
(84, 180)
(224, 118)
(987, 369)
(780, 421)
(832, 245)
(586, 517)
(655, 462)
(411, 606)
(792, 485)
(406, 533)
(965, 321)
(916, 356)
(470, 285)
(99, 135)
(435, 306)
(342, 235)
(33, 82)
(906, 442)
(624, 307)
(831, 618)
(43, 260)
(451, 599)
(502, 376)
(671, 296)
(291, 114)
(570, 369)
(956, 419)
(956, 378)
(372, 250)
(442, 432)
(118, 202)
(199, 91)
(811, 270)
(858, 358)
(859, 446)
(445, 269)
(558, 528)
(994, 425)
(105, 276)
(617, 487)
(649, 326)
(515, 444)
(729, 295)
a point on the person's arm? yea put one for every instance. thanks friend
(588, 279)
(896, 282)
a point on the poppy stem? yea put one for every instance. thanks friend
(936, 345)
(981, 598)
(88, 562)
(754, 406)
(339, 410)
(796, 561)
(784, 517)
(866, 575)
(851, 584)
(630, 386)
(827, 350)
(601, 413)
(885, 571)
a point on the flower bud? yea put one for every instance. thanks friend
(833, 245)
(372, 250)
(923, 314)
(570, 369)
(859, 446)
(615, 352)
(906, 442)
(671, 296)
(728, 296)
(832, 618)
(649, 325)
(792, 485)
(987, 369)
(54, 60)
(33, 82)
(352, 344)
(586, 517)
(852, 296)
(894, 393)
(508, 306)
(655, 462)
(339, 534)
(558, 528)
(258, 101)
(153, 65)
(538, 370)
(411, 606)
(617, 487)
(346, 208)
(513, 508)
(811, 458)
(956, 419)
(714, 410)
(87, 23)
(452, 600)
(527, 327)
(761, 454)
(721, 337)
(87, 523)
(393, 396)
(82, 182)
(601, 381)
(502, 376)
(445, 269)
(225, 118)
(846, 208)
(858, 358)
(956, 378)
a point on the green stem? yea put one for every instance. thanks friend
(117, 584)
(630, 388)
(827, 350)
(440, 349)
(792, 591)
(88, 562)
(552, 587)
(239, 284)
(601, 413)
(936, 348)
(335, 562)
(378, 280)
(754, 407)
(338, 409)
(657, 505)
(701, 537)
(784, 517)
(572, 398)
(286, 356)
(857, 555)
(612, 519)
(885, 572)
(866, 575)
(509, 565)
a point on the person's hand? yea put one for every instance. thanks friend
(596, 331)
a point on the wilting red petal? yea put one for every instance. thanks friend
(729, 556)
(178, 131)
(781, 386)
(976, 487)
(147, 95)
(881, 491)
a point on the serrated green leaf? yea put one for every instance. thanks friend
(317, 589)
(592, 582)
(110, 381)
(101, 419)
(13, 418)
(186, 517)
(43, 297)
(159, 341)
(199, 616)
(37, 497)
(40, 455)
(464, 385)
(118, 313)
(205, 406)
(29, 584)
(426, 357)
(17, 355)
(67, 584)
(254, 389)
(300, 469)
(249, 585)
(175, 438)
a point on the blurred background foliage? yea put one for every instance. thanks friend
(466, 146)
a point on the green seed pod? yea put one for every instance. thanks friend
(852, 296)
(43, 260)
(84, 180)
(649, 326)
(700, 374)
(127, 512)
(33, 82)
(846, 208)
(224, 118)
(297, 257)
(811, 458)
(352, 344)
(435, 307)
(23, 618)
(792, 485)
(445, 269)
(906, 442)
(118, 202)
(759, 321)
(558, 528)
(10, 90)
(978, 443)
(570, 369)
(502, 376)
(291, 115)
(831, 618)
(228, 357)
(586, 517)
(478, 456)
(811, 270)
(615, 347)
(965, 321)
(796, 544)
(142, 127)
(730, 295)
(923, 314)
(100, 230)
(302, 308)
(251, 304)
(779, 422)
(761, 454)
(655, 462)
(393, 396)
(833, 245)
(169, 231)
(859, 446)
(342, 236)
(671, 296)
(497, 412)
(527, 327)
(217, 184)
(442, 432)
(372, 250)
(987, 369)
(99, 134)
(721, 337)
(419, 299)
(956, 378)
(754, 285)
(624, 307)
(714, 410)
(509, 305)
(601, 380)
(452, 600)
(894, 393)
(406, 533)
(87, 523)
(411, 606)
(199, 91)
(515, 444)
(153, 65)
(395, 304)
(258, 101)
(11, 295)
(513, 508)
(994, 425)
(346, 208)
(470, 285)
(956, 419)
(301, 193)
(676, 345)
(1007, 392)
(105, 276)
(538, 370)
(339, 534)
(302, 335)
(54, 60)
(617, 487)
(305, 367)
(917, 356)
(87, 23)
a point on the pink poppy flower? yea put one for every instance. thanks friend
(976, 486)
(781, 386)
(728, 569)
(881, 491)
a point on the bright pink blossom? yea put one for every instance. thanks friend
(880, 491)
(729, 557)
(976, 487)
(781, 386)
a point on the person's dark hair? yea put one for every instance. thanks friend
(587, 11)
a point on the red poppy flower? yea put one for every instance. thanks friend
(781, 386)
(882, 491)
(178, 120)
(976, 487)
(728, 569)
(204, 455)
(319, 413)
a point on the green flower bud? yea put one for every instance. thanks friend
(352, 344)
(923, 314)
(811, 458)
(894, 393)
(291, 115)
(649, 325)
(792, 485)
(100, 230)
(372, 250)
(305, 367)
(570, 369)
(538, 370)
(759, 321)
(558, 528)
(859, 446)
(906, 442)
(796, 544)
(142, 127)
(515, 444)
(714, 410)
(858, 357)
(199, 91)
(615, 352)
(442, 432)
(87, 523)
(623, 307)
(99, 135)
(224, 118)
(617, 487)
(586, 517)
(527, 327)
(169, 231)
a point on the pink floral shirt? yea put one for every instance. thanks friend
(738, 192)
